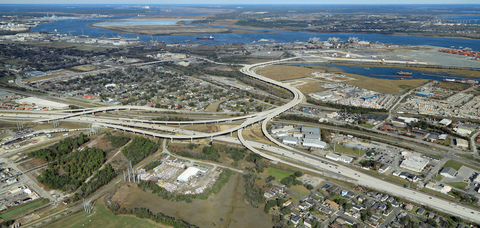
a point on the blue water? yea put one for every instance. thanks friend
(378, 72)
(464, 19)
(75, 27)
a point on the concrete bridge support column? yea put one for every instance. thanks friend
(172, 139)
(191, 140)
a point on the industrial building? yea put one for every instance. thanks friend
(290, 140)
(42, 103)
(413, 161)
(187, 174)
(448, 172)
(316, 143)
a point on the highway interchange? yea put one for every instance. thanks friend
(282, 153)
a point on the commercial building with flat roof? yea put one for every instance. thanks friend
(187, 174)
(414, 162)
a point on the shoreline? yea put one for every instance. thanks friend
(178, 26)
(394, 34)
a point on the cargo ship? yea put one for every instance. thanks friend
(205, 38)
(404, 73)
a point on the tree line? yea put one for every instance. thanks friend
(63, 147)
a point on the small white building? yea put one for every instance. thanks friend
(345, 159)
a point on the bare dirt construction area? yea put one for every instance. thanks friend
(220, 68)
(30, 164)
(226, 209)
(207, 128)
(84, 68)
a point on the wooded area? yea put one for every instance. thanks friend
(70, 171)
(139, 149)
(63, 147)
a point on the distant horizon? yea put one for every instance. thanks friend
(221, 2)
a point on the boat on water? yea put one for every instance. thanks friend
(205, 38)
(404, 73)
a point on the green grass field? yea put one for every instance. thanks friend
(454, 164)
(300, 189)
(438, 177)
(101, 217)
(347, 150)
(16, 211)
(277, 173)
(459, 185)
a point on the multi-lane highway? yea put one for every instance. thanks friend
(284, 154)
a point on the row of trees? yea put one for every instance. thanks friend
(207, 153)
(76, 168)
(63, 147)
(139, 149)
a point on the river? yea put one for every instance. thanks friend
(76, 27)
(391, 73)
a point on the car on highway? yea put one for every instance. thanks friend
(430, 197)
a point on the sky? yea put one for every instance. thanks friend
(239, 2)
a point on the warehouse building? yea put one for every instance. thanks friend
(290, 140)
(187, 174)
(310, 130)
(312, 136)
(316, 143)
(448, 172)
